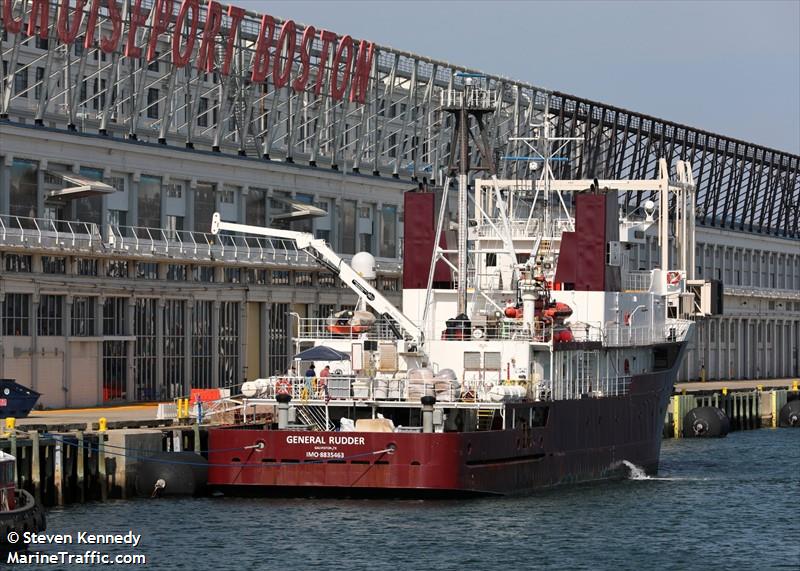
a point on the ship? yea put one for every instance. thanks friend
(533, 347)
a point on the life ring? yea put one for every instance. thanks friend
(283, 387)
(477, 333)
(673, 278)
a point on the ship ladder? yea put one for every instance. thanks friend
(485, 418)
(314, 416)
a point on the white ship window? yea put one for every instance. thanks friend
(492, 361)
(472, 361)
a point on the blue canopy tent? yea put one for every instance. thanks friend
(321, 353)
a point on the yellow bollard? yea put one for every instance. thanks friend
(102, 425)
(724, 391)
(774, 408)
(11, 425)
(676, 416)
(795, 385)
(760, 388)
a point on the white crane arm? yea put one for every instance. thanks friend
(321, 252)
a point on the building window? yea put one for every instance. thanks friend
(364, 242)
(303, 279)
(54, 265)
(145, 354)
(255, 211)
(117, 217)
(16, 314)
(389, 284)
(175, 190)
(150, 201)
(86, 266)
(204, 206)
(37, 91)
(203, 274)
(365, 212)
(325, 280)
(323, 235)
(83, 316)
(21, 83)
(389, 231)
(228, 343)
(202, 112)
(117, 269)
(174, 335)
(153, 65)
(348, 226)
(18, 263)
(22, 199)
(176, 272)
(147, 270)
(50, 317)
(152, 103)
(257, 277)
(202, 356)
(226, 196)
(115, 355)
(278, 335)
(233, 275)
(280, 277)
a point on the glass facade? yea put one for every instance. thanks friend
(22, 198)
(149, 201)
(388, 231)
(348, 226)
(204, 206)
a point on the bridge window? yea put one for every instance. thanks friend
(86, 266)
(117, 269)
(280, 277)
(147, 270)
(53, 265)
(18, 263)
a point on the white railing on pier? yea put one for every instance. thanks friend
(47, 233)
(221, 247)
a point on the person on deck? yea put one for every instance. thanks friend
(309, 377)
(322, 383)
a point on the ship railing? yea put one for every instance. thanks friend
(203, 245)
(674, 330)
(47, 233)
(592, 387)
(338, 387)
(509, 329)
(523, 228)
(327, 328)
(638, 281)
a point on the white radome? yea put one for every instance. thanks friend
(364, 265)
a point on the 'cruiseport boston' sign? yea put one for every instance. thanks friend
(205, 35)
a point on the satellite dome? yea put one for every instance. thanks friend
(364, 265)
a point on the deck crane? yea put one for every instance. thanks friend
(326, 257)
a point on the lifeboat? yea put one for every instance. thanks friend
(558, 311)
(350, 322)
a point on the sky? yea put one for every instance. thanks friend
(729, 67)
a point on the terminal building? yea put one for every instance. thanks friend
(123, 127)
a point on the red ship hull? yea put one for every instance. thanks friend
(581, 440)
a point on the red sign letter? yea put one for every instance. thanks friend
(109, 43)
(261, 57)
(337, 89)
(138, 19)
(299, 84)
(12, 25)
(236, 15)
(40, 8)
(68, 33)
(180, 59)
(286, 42)
(363, 68)
(162, 13)
(327, 38)
(205, 55)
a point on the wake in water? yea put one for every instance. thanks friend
(638, 473)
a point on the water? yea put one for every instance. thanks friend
(716, 504)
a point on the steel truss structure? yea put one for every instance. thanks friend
(317, 114)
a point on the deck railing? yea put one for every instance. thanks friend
(324, 328)
(47, 233)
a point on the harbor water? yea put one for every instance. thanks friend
(716, 504)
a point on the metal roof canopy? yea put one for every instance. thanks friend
(299, 210)
(80, 187)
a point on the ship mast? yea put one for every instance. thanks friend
(474, 101)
